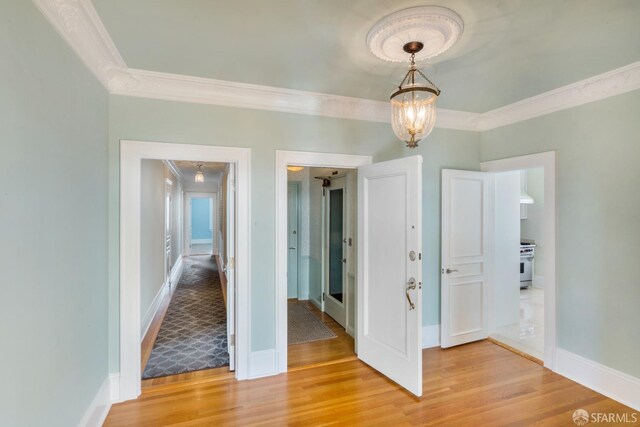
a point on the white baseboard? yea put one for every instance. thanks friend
(430, 336)
(201, 241)
(538, 282)
(351, 331)
(262, 363)
(176, 272)
(317, 303)
(153, 308)
(114, 380)
(97, 411)
(614, 384)
(165, 290)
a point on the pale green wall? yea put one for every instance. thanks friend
(152, 233)
(53, 225)
(443, 149)
(598, 222)
(265, 132)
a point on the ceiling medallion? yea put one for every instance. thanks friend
(437, 28)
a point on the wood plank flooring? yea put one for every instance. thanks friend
(476, 384)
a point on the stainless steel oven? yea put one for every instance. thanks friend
(526, 265)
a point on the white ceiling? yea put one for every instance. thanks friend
(510, 50)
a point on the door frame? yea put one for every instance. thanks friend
(188, 195)
(546, 160)
(131, 155)
(326, 247)
(306, 159)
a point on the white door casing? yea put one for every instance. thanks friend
(189, 195)
(389, 308)
(546, 160)
(230, 267)
(131, 155)
(331, 303)
(467, 211)
(307, 159)
(292, 231)
(167, 230)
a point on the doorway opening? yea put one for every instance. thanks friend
(321, 259)
(200, 223)
(498, 256)
(388, 319)
(518, 308)
(188, 324)
(171, 327)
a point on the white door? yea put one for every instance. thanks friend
(390, 270)
(467, 209)
(231, 265)
(336, 251)
(292, 229)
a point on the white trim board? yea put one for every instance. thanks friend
(165, 290)
(80, 26)
(131, 155)
(431, 336)
(546, 160)
(262, 363)
(99, 407)
(612, 383)
(308, 159)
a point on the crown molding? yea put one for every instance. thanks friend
(174, 87)
(80, 26)
(614, 82)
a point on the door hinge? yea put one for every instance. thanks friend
(323, 296)
(232, 340)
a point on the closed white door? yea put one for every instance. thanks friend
(467, 209)
(292, 232)
(336, 251)
(390, 270)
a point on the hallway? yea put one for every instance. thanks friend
(193, 335)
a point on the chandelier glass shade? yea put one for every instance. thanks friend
(413, 105)
(199, 174)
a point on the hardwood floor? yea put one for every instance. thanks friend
(476, 384)
(317, 353)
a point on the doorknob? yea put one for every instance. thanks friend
(410, 286)
(291, 248)
(449, 271)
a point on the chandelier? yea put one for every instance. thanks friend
(199, 174)
(413, 105)
(423, 32)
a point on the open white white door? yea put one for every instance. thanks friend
(231, 264)
(467, 209)
(390, 270)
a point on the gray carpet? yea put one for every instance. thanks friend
(193, 334)
(304, 326)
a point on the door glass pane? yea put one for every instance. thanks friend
(335, 244)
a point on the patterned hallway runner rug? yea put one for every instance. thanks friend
(193, 334)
